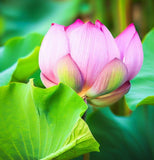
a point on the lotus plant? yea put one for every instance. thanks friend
(86, 57)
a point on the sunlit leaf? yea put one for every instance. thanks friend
(38, 123)
(148, 100)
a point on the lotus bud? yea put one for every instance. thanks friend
(86, 57)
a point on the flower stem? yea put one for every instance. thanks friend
(86, 156)
(123, 14)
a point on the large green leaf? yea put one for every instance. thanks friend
(19, 58)
(148, 100)
(38, 123)
(20, 18)
(142, 85)
(129, 138)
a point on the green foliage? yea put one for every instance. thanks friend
(149, 100)
(123, 137)
(19, 58)
(38, 123)
(23, 17)
(47, 124)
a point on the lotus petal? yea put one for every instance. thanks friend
(69, 73)
(88, 49)
(54, 46)
(112, 97)
(131, 49)
(112, 76)
(73, 26)
(112, 48)
(46, 81)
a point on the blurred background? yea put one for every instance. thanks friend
(20, 17)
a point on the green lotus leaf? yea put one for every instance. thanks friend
(19, 58)
(37, 123)
(123, 137)
(148, 100)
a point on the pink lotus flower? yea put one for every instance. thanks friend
(87, 58)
